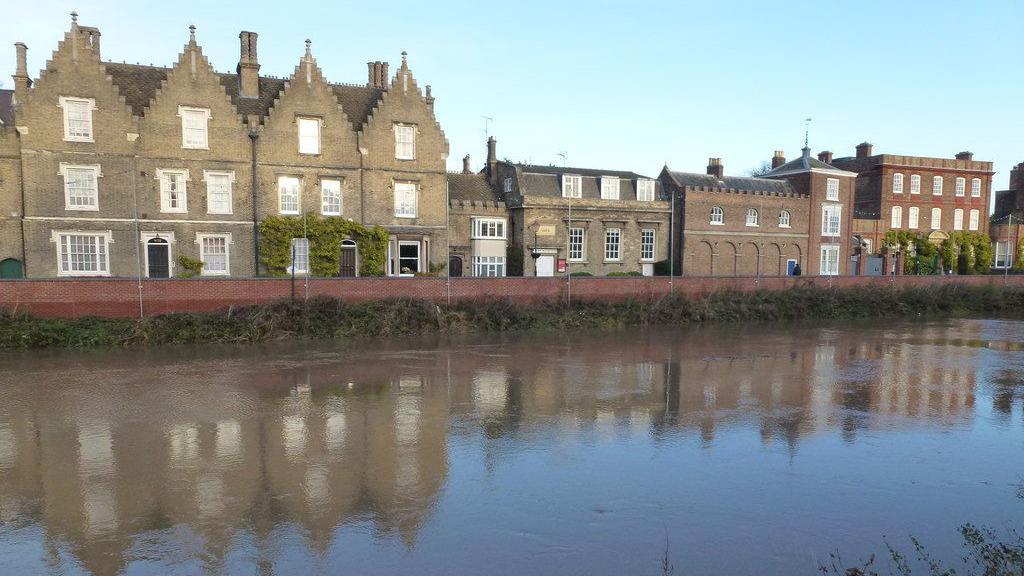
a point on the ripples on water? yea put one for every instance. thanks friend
(751, 450)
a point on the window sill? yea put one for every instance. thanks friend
(404, 217)
(787, 227)
(84, 140)
(330, 213)
(214, 273)
(162, 211)
(220, 213)
(195, 147)
(716, 223)
(289, 213)
(83, 208)
(83, 274)
(405, 159)
(753, 226)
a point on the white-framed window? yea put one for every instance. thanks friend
(913, 215)
(936, 219)
(915, 183)
(1004, 254)
(752, 217)
(173, 190)
(77, 118)
(218, 191)
(405, 199)
(81, 186)
(974, 220)
(975, 187)
(83, 253)
(330, 197)
(489, 228)
(958, 219)
(215, 254)
(896, 222)
(309, 135)
(408, 258)
(572, 186)
(831, 219)
(647, 236)
(936, 185)
(717, 216)
(508, 185)
(832, 189)
(576, 242)
(300, 256)
(194, 127)
(489, 266)
(288, 194)
(784, 218)
(405, 141)
(609, 188)
(897, 183)
(829, 260)
(961, 186)
(613, 244)
(645, 190)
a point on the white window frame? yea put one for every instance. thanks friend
(95, 192)
(1006, 254)
(717, 217)
(913, 218)
(202, 253)
(961, 186)
(975, 187)
(753, 217)
(296, 245)
(105, 239)
(405, 141)
(508, 185)
(406, 209)
(935, 218)
(645, 190)
(828, 266)
(185, 112)
(975, 220)
(309, 144)
(609, 188)
(937, 184)
(897, 183)
(419, 256)
(785, 217)
(489, 266)
(613, 244)
(648, 244)
(67, 103)
(572, 186)
(915, 183)
(958, 219)
(896, 218)
(162, 177)
(211, 177)
(282, 182)
(832, 220)
(573, 246)
(832, 189)
(327, 197)
(489, 229)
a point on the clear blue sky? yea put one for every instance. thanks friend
(627, 85)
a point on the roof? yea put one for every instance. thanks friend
(547, 181)
(854, 164)
(6, 107)
(139, 83)
(558, 170)
(470, 187)
(694, 179)
(802, 164)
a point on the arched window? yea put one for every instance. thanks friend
(751, 217)
(897, 217)
(717, 216)
(784, 219)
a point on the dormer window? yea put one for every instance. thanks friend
(609, 188)
(645, 190)
(508, 185)
(572, 186)
(194, 127)
(77, 118)
(309, 135)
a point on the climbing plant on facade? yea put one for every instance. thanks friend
(325, 236)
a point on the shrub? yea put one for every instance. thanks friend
(190, 267)
(621, 274)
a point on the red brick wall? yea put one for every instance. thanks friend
(120, 297)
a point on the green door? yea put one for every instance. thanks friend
(10, 268)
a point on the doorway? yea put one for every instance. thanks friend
(158, 258)
(11, 268)
(347, 262)
(545, 266)
(455, 267)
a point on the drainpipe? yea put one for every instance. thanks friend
(253, 137)
(362, 181)
(21, 182)
(138, 235)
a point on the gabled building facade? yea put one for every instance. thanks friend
(478, 227)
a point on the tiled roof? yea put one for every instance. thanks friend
(470, 187)
(137, 83)
(534, 169)
(547, 181)
(259, 106)
(803, 163)
(6, 107)
(752, 184)
(854, 164)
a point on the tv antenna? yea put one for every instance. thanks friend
(563, 155)
(487, 125)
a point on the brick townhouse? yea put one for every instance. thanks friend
(478, 226)
(931, 196)
(122, 168)
(569, 220)
(796, 214)
(1006, 227)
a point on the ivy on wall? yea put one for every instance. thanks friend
(963, 252)
(325, 235)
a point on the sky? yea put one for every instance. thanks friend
(625, 85)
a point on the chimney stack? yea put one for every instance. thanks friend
(715, 168)
(825, 156)
(1017, 178)
(21, 79)
(248, 67)
(429, 98)
(778, 159)
(377, 75)
(492, 160)
(465, 165)
(864, 150)
(965, 156)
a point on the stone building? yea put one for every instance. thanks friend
(478, 227)
(931, 196)
(11, 248)
(125, 168)
(581, 220)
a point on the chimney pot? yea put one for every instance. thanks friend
(825, 156)
(715, 168)
(248, 66)
(864, 150)
(965, 155)
(22, 60)
(465, 165)
(778, 159)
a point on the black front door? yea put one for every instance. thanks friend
(455, 266)
(158, 254)
(348, 262)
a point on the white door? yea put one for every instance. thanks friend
(545, 266)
